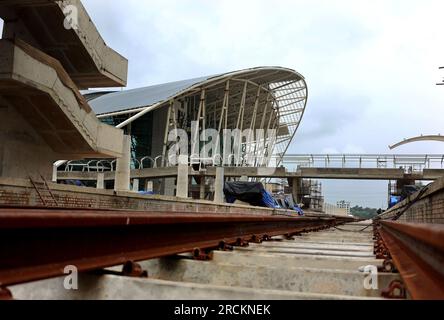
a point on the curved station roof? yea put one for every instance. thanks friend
(273, 97)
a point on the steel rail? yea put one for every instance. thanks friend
(417, 251)
(37, 244)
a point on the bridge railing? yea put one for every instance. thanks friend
(292, 162)
(410, 163)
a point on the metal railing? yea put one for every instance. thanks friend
(410, 163)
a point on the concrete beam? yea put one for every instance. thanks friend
(109, 287)
(40, 90)
(321, 246)
(282, 277)
(122, 182)
(304, 251)
(326, 241)
(43, 116)
(280, 173)
(257, 258)
(79, 47)
(433, 174)
(350, 173)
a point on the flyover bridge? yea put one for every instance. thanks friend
(409, 162)
(359, 167)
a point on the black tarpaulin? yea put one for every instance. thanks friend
(250, 192)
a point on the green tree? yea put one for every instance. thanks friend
(364, 213)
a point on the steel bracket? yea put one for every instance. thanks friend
(5, 294)
(223, 246)
(256, 239)
(396, 290)
(134, 270)
(388, 266)
(201, 255)
(241, 243)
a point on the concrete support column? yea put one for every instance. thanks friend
(136, 185)
(122, 182)
(149, 186)
(400, 184)
(297, 190)
(54, 172)
(219, 185)
(101, 180)
(169, 185)
(182, 181)
(202, 188)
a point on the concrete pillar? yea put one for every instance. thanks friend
(149, 186)
(169, 186)
(219, 185)
(122, 182)
(54, 173)
(101, 180)
(400, 184)
(136, 185)
(182, 181)
(297, 190)
(202, 188)
(243, 179)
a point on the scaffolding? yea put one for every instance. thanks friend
(312, 196)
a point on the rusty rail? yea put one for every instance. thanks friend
(417, 251)
(38, 244)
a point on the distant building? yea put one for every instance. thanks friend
(344, 205)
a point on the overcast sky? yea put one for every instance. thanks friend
(371, 66)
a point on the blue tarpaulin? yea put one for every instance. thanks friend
(255, 194)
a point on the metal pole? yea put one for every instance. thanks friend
(222, 116)
(167, 129)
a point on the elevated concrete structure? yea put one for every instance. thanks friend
(368, 174)
(80, 49)
(122, 182)
(281, 173)
(39, 89)
(45, 58)
(44, 118)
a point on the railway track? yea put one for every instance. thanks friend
(186, 255)
(37, 244)
(321, 265)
